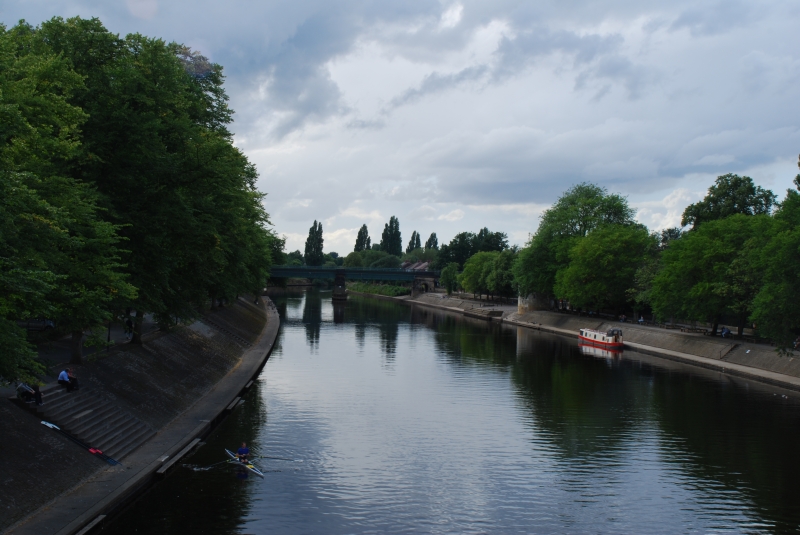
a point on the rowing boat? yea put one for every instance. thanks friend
(247, 464)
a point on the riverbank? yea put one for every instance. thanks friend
(181, 384)
(752, 361)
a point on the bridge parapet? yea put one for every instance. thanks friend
(351, 273)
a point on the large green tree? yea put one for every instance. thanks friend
(465, 244)
(362, 240)
(313, 254)
(70, 268)
(391, 240)
(577, 212)
(602, 266)
(731, 194)
(157, 148)
(703, 274)
(477, 269)
(414, 242)
(432, 242)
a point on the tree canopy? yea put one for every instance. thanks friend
(432, 242)
(118, 170)
(580, 210)
(313, 255)
(731, 194)
(391, 240)
(362, 240)
(466, 244)
(414, 242)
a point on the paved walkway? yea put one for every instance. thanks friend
(82, 505)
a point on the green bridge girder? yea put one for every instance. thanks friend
(350, 273)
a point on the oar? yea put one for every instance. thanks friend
(93, 451)
(280, 458)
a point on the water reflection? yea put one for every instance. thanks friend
(481, 428)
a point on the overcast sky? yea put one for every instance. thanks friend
(453, 116)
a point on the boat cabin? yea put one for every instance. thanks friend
(609, 338)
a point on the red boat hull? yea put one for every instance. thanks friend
(599, 343)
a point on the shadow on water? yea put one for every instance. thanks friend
(731, 446)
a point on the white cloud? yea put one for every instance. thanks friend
(455, 215)
(457, 115)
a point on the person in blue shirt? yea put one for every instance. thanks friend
(242, 453)
(68, 379)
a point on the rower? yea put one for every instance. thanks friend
(242, 453)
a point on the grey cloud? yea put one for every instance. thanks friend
(715, 19)
(516, 54)
(437, 82)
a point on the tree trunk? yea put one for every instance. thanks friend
(76, 356)
(714, 326)
(137, 328)
(740, 326)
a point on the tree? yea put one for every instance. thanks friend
(487, 241)
(314, 255)
(362, 240)
(432, 242)
(602, 266)
(76, 266)
(295, 258)
(697, 268)
(354, 259)
(391, 240)
(449, 277)
(730, 194)
(577, 212)
(776, 306)
(476, 272)
(501, 279)
(414, 242)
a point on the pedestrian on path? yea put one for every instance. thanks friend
(128, 328)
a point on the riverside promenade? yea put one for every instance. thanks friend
(230, 347)
(756, 362)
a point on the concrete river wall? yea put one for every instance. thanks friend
(175, 386)
(754, 361)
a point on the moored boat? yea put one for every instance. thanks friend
(611, 338)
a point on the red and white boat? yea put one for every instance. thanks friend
(611, 339)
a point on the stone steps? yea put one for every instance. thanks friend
(93, 419)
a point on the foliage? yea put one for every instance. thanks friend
(500, 280)
(362, 240)
(314, 255)
(295, 258)
(731, 194)
(699, 275)
(413, 243)
(386, 261)
(577, 212)
(465, 244)
(477, 269)
(602, 266)
(157, 149)
(379, 289)
(449, 277)
(354, 259)
(421, 255)
(391, 240)
(432, 242)
(118, 174)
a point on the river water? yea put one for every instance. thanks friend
(399, 419)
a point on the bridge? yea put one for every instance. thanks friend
(422, 280)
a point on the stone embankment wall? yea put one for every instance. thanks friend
(155, 382)
(657, 341)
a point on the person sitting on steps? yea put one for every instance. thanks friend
(68, 379)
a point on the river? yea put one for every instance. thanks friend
(397, 419)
